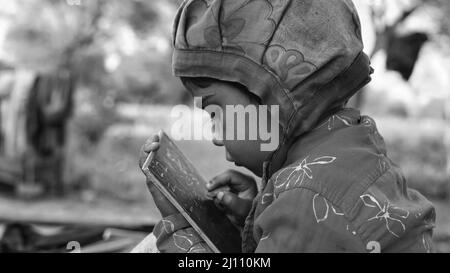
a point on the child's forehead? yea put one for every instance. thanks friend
(212, 90)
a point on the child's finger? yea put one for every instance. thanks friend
(232, 203)
(221, 180)
(237, 181)
(236, 208)
(213, 193)
(151, 147)
(145, 150)
(218, 205)
(154, 138)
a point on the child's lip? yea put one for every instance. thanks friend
(228, 157)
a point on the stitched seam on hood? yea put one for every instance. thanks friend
(272, 74)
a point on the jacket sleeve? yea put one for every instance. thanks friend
(175, 235)
(314, 225)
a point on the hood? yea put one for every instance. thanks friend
(305, 56)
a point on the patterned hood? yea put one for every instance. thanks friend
(305, 56)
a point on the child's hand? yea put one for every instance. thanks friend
(234, 192)
(162, 203)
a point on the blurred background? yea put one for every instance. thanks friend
(84, 83)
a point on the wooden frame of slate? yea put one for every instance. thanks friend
(176, 177)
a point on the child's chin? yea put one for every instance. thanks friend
(258, 172)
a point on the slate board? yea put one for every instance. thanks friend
(181, 183)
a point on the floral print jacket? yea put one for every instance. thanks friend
(341, 193)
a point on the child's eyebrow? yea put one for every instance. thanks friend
(199, 92)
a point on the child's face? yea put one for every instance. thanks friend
(247, 152)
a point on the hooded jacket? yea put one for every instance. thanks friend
(337, 191)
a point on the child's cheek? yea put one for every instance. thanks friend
(244, 152)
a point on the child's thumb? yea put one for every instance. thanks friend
(232, 203)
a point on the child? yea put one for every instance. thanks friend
(329, 186)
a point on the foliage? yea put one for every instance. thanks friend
(46, 35)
